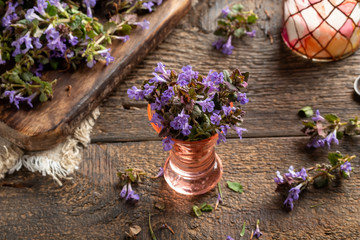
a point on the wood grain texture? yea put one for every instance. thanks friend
(49, 123)
(89, 207)
(280, 83)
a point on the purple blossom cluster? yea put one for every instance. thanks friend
(322, 136)
(290, 176)
(63, 36)
(187, 106)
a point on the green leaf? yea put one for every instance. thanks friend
(331, 118)
(18, 57)
(126, 29)
(222, 22)
(321, 181)
(54, 64)
(252, 19)
(197, 211)
(306, 112)
(131, 177)
(75, 23)
(235, 186)
(237, 7)
(242, 233)
(43, 97)
(339, 135)
(239, 32)
(110, 27)
(27, 76)
(309, 124)
(92, 34)
(51, 10)
(206, 208)
(334, 158)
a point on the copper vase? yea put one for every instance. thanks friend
(192, 167)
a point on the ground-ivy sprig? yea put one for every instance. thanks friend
(324, 131)
(129, 176)
(338, 166)
(233, 23)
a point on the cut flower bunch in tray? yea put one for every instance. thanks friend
(42, 35)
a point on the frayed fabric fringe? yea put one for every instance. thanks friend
(59, 162)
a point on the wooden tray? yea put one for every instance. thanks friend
(49, 123)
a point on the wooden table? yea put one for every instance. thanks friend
(88, 207)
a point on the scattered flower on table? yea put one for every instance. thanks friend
(42, 35)
(189, 106)
(296, 181)
(129, 176)
(327, 130)
(233, 23)
(257, 232)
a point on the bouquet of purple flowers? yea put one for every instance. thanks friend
(190, 107)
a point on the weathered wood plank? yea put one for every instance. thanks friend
(49, 123)
(89, 208)
(280, 83)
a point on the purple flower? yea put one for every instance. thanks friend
(293, 195)
(41, 6)
(346, 168)
(91, 63)
(89, 4)
(148, 89)
(186, 76)
(239, 131)
(156, 105)
(241, 97)
(221, 137)
(291, 173)
(157, 119)
(317, 117)
(160, 173)
(227, 110)
(157, 78)
(206, 105)
(331, 138)
(279, 179)
(135, 93)
(31, 15)
(123, 191)
(161, 68)
(251, 34)
(73, 40)
(55, 42)
(227, 47)
(225, 11)
(181, 122)
(302, 174)
(58, 4)
(167, 143)
(122, 38)
(218, 44)
(38, 70)
(316, 142)
(148, 5)
(257, 232)
(215, 119)
(217, 78)
(229, 238)
(10, 95)
(131, 195)
(167, 95)
(224, 129)
(37, 43)
(106, 54)
(144, 25)
(9, 14)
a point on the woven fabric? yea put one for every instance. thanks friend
(322, 29)
(59, 162)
